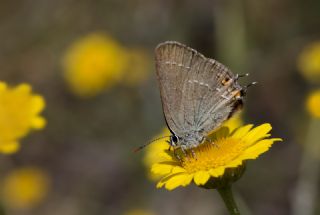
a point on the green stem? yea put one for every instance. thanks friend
(228, 199)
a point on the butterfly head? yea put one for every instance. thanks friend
(187, 141)
(174, 140)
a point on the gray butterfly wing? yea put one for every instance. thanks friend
(193, 89)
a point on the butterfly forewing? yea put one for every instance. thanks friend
(173, 70)
(193, 95)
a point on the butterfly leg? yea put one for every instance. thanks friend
(176, 155)
(215, 145)
(183, 149)
(194, 155)
(212, 142)
(209, 140)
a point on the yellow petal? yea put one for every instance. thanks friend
(10, 147)
(257, 133)
(254, 151)
(201, 177)
(23, 88)
(161, 183)
(162, 156)
(219, 134)
(164, 180)
(216, 172)
(187, 180)
(38, 122)
(234, 122)
(163, 168)
(3, 86)
(38, 103)
(235, 163)
(223, 132)
(178, 169)
(176, 181)
(242, 131)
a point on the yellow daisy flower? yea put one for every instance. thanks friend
(208, 163)
(309, 62)
(94, 63)
(313, 103)
(154, 152)
(19, 113)
(24, 188)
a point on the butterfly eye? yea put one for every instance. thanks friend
(173, 140)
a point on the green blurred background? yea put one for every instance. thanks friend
(86, 147)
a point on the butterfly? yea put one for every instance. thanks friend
(198, 94)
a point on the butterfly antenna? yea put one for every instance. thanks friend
(141, 147)
(245, 89)
(251, 84)
(241, 76)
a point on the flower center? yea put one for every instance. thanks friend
(208, 156)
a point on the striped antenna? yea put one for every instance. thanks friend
(141, 147)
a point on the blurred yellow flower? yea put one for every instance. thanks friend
(154, 152)
(139, 212)
(24, 188)
(138, 67)
(94, 63)
(309, 61)
(19, 113)
(210, 162)
(313, 103)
